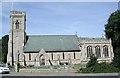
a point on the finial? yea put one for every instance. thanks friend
(102, 35)
(76, 33)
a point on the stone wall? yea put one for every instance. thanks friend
(55, 58)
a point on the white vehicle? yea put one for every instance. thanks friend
(4, 70)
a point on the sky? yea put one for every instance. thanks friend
(86, 19)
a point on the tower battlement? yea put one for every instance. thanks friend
(17, 13)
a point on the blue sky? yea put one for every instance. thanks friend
(61, 18)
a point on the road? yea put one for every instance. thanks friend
(59, 75)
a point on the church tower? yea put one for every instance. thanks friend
(17, 37)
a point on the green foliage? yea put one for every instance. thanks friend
(4, 48)
(106, 68)
(76, 66)
(112, 30)
(55, 66)
(94, 67)
(100, 68)
(116, 60)
(92, 62)
(0, 50)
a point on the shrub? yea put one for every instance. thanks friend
(92, 62)
(29, 66)
(100, 68)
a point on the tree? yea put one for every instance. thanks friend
(116, 60)
(112, 30)
(92, 62)
(0, 50)
(4, 48)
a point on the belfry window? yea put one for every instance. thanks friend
(97, 51)
(105, 51)
(89, 51)
(17, 24)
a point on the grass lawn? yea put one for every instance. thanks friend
(78, 66)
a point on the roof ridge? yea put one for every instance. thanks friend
(51, 35)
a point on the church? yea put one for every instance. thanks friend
(40, 50)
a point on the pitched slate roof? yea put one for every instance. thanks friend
(51, 43)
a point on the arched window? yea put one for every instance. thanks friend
(105, 51)
(29, 56)
(97, 51)
(89, 51)
(42, 59)
(63, 56)
(17, 24)
(74, 56)
(52, 56)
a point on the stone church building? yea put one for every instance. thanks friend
(40, 50)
